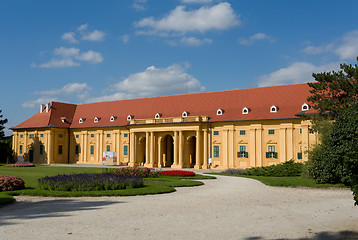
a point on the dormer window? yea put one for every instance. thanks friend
(245, 110)
(273, 109)
(129, 117)
(112, 118)
(305, 107)
(81, 120)
(185, 114)
(219, 112)
(158, 115)
(96, 119)
(63, 119)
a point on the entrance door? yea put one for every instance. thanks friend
(168, 151)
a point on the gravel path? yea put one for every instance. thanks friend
(226, 208)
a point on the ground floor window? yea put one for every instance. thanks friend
(271, 152)
(216, 151)
(242, 153)
(125, 150)
(41, 149)
(77, 149)
(20, 150)
(108, 148)
(92, 149)
(59, 149)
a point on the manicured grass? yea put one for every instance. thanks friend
(31, 175)
(288, 181)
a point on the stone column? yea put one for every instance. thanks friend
(131, 150)
(290, 143)
(82, 146)
(282, 147)
(198, 150)
(50, 147)
(181, 149)
(260, 154)
(305, 139)
(147, 153)
(225, 152)
(160, 154)
(152, 149)
(252, 147)
(176, 149)
(205, 154)
(85, 146)
(231, 148)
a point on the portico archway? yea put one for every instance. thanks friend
(168, 150)
(191, 151)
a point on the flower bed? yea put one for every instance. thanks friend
(142, 172)
(89, 182)
(21, 165)
(11, 183)
(180, 173)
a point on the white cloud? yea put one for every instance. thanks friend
(90, 56)
(83, 27)
(57, 63)
(154, 82)
(298, 72)
(77, 91)
(256, 37)
(197, 1)
(139, 5)
(95, 36)
(349, 47)
(217, 17)
(70, 37)
(66, 52)
(192, 41)
(125, 38)
(68, 57)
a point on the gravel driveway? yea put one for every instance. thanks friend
(226, 208)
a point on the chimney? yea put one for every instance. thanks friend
(42, 107)
(48, 107)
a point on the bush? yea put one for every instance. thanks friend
(180, 173)
(89, 182)
(11, 183)
(21, 165)
(142, 172)
(233, 171)
(286, 169)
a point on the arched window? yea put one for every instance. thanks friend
(305, 107)
(185, 114)
(129, 117)
(158, 115)
(273, 109)
(81, 120)
(96, 119)
(245, 110)
(219, 112)
(112, 118)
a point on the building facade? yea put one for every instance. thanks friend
(227, 129)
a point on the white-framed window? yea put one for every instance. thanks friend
(273, 109)
(129, 117)
(219, 112)
(112, 118)
(305, 107)
(271, 152)
(245, 110)
(185, 114)
(158, 115)
(96, 119)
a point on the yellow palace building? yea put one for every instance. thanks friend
(227, 129)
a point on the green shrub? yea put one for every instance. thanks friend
(233, 171)
(11, 183)
(286, 169)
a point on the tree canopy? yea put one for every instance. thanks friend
(334, 91)
(2, 126)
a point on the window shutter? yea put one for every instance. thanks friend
(275, 154)
(267, 155)
(246, 154)
(299, 155)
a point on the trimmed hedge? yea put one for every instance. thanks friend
(286, 169)
(21, 165)
(11, 183)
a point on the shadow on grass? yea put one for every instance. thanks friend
(343, 235)
(47, 209)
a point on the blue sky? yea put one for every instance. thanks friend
(90, 51)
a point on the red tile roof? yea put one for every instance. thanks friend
(288, 98)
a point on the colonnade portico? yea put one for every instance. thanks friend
(165, 148)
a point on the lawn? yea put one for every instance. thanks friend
(288, 181)
(31, 175)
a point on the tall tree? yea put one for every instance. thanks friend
(2, 127)
(334, 92)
